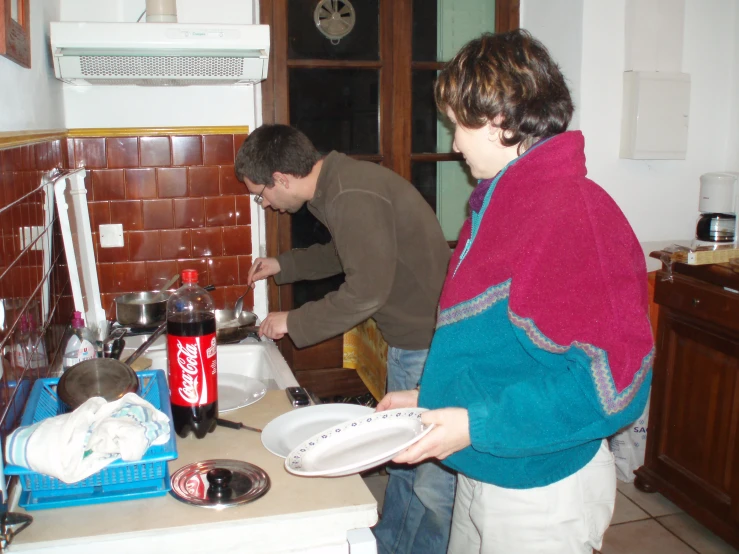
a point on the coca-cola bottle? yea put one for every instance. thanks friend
(191, 351)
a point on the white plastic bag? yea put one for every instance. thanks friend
(629, 445)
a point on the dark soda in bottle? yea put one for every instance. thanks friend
(191, 353)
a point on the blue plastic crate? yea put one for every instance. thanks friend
(120, 480)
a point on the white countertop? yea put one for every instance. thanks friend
(296, 513)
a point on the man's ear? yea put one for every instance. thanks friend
(281, 179)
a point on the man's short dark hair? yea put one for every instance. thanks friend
(271, 148)
(510, 80)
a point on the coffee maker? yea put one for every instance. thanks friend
(717, 205)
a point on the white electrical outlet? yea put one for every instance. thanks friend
(111, 236)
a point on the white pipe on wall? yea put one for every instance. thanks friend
(161, 11)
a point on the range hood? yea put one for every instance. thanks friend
(159, 54)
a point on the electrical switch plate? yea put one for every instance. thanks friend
(111, 236)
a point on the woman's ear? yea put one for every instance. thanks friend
(493, 132)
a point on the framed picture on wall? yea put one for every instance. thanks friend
(15, 31)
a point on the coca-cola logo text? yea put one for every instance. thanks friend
(187, 360)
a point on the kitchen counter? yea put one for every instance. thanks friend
(649, 247)
(297, 513)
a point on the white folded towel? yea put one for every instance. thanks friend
(76, 445)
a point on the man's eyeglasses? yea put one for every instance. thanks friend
(260, 197)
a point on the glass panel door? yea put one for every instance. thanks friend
(455, 22)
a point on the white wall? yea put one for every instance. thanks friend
(659, 197)
(558, 24)
(31, 99)
(732, 155)
(158, 106)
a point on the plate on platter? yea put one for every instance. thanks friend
(284, 433)
(236, 391)
(357, 445)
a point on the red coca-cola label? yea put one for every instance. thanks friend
(195, 487)
(193, 370)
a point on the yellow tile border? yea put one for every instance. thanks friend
(13, 139)
(156, 131)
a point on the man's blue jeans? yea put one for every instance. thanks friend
(417, 511)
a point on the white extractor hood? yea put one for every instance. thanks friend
(159, 54)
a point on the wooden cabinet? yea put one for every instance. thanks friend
(692, 454)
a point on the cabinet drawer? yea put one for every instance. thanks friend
(696, 299)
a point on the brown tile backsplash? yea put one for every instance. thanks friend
(220, 211)
(107, 184)
(99, 214)
(177, 198)
(189, 212)
(187, 150)
(158, 214)
(180, 205)
(23, 275)
(122, 151)
(172, 182)
(140, 183)
(236, 241)
(204, 181)
(207, 242)
(90, 153)
(154, 151)
(176, 244)
(129, 213)
(144, 246)
(229, 183)
(218, 150)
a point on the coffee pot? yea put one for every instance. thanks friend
(717, 205)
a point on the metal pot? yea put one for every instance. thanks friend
(229, 328)
(144, 309)
(141, 308)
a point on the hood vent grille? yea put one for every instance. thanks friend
(144, 82)
(160, 66)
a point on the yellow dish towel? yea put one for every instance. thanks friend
(366, 351)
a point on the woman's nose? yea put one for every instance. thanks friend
(454, 147)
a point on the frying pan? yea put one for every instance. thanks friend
(104, 377)
(230, 328)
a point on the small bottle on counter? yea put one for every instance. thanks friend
(81, 344)
(20, 343)
(38, 359)
(191, 354)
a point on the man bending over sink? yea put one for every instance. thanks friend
(388, 243)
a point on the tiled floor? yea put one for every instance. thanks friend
(642, 524)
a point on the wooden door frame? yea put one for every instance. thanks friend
(395, 143)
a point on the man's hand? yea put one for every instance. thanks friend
(450, 434)
(398, 399)
(262, 268)
(274, 326)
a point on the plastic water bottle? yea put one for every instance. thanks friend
(191, 354)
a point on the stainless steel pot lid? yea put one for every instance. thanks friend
(104, 377)
(219, 483)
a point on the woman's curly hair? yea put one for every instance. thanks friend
(510, 80)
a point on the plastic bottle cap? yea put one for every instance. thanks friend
(77, 321)
(189, 276)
